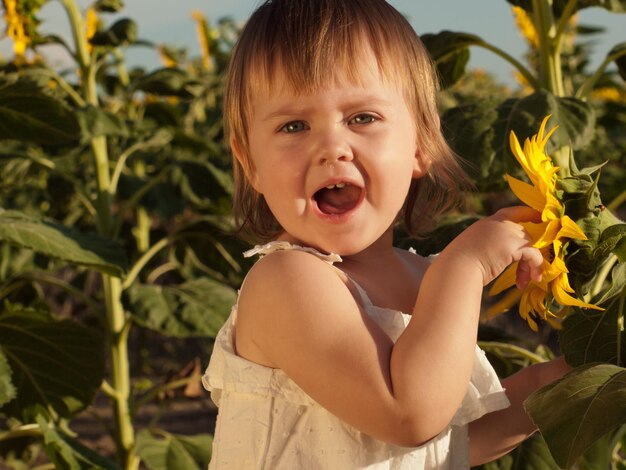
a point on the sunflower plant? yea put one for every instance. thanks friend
(573, 176)
(583, 241)
(114, 197)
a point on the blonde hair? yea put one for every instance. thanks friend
(312, 42)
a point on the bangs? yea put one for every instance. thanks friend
(316, 44)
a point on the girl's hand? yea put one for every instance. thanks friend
(497, 241)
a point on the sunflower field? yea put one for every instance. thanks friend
(119, 260)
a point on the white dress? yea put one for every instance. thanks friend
(265, 421)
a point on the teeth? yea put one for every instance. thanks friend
(338, 186)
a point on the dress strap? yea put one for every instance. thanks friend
(280, 245)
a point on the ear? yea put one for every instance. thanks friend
(421, 164)
(246, 164)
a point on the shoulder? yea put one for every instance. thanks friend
(289, 278)
(286, 294)
(292, 269)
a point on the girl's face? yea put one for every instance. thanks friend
(335, 165)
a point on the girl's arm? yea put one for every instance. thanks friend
(295, 313)
(497, 433)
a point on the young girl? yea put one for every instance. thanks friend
(342, 351)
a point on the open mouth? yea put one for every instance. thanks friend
(337, 199)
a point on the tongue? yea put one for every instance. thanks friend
(337, 201)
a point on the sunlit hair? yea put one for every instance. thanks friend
(312, 43)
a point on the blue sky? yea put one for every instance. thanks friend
(167, 21)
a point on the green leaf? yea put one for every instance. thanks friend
(58, 241)
(54, 363)
(450, 52)
(174, 452)
(122, 32)
(620, 61)
(581, 198)
(96, 122)
(575, 118)
(577, 410)
(195, 308)
(201, 182)
(615, 6)
(151, 450)
(68, 453)
(215, 253)
(612, 240)
(169, 82)
(479, 132)
(598, 455)
(593, 336)
(28, 114)
(108, 6)
(7, 389)
(618, 283)
(532, 454)
(163, 114)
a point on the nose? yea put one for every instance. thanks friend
(333, 146)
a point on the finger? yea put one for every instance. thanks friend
(522, 275)
(530, 267)
(520, 214)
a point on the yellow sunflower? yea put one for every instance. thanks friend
(92, 24)
(16, 29)
(203, 38)
(550, 236)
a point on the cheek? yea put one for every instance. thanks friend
(282, 186)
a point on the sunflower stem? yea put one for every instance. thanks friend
(589, 83)
(549, 47)
(620, 326)
(568, 11)
(561, 159)
(528, 76)
(495, 346)
(117, 321)
(618, 201)
(601, 276)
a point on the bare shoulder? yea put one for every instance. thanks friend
(289, 271)
(285, 295)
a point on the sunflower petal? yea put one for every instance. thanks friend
(505, 280)
(552, 228)
(555, 322)
(520, 155)
(569, 229)
(535, 230)
(558, 264)
(525, 311)
(505, 303)
(545, 139)
(563, 282)
(526, 193)
(537, 301)
(564, 298)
